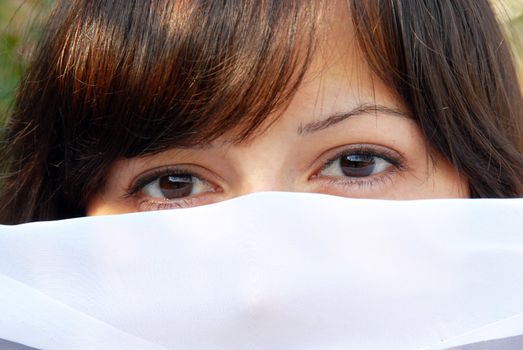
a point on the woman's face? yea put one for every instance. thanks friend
(344, 133)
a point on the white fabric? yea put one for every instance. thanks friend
(268, 271)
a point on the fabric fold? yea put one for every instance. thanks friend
(269, 271)
(30, 318)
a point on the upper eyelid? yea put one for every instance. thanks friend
(364, 151)
(140, 181)
(371, 149)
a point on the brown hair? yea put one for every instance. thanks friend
(116, 79)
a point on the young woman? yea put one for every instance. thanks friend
(144, 105)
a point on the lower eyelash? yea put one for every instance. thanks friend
(368, 182)
(385, 178)
(149, 205)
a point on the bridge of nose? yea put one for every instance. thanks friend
(263, 165)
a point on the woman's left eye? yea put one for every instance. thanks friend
(355, 165)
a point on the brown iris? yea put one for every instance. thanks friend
(357, 165)
(176, 186)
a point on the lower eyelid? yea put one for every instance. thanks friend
(152, 204)
(149, 205)
(352, 186)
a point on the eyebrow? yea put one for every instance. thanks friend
(336, 118)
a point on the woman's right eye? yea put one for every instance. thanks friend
(166, 189)
(173, 186)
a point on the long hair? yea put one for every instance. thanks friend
(113, 79)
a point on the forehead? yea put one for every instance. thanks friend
(194, 81)
(339, 77)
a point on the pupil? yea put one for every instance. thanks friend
(357, 165)
(176, 186)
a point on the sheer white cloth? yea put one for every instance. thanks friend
(268, 271)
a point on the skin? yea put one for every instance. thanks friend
(341, 107)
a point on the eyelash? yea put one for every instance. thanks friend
(368, 182)
(139, 184)
(158, 204)
(367, 150)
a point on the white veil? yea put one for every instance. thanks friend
(269, 271)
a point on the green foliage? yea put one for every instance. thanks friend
(10, 70)
(18, 31)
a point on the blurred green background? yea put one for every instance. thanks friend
(18, 31)
(19, 22)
